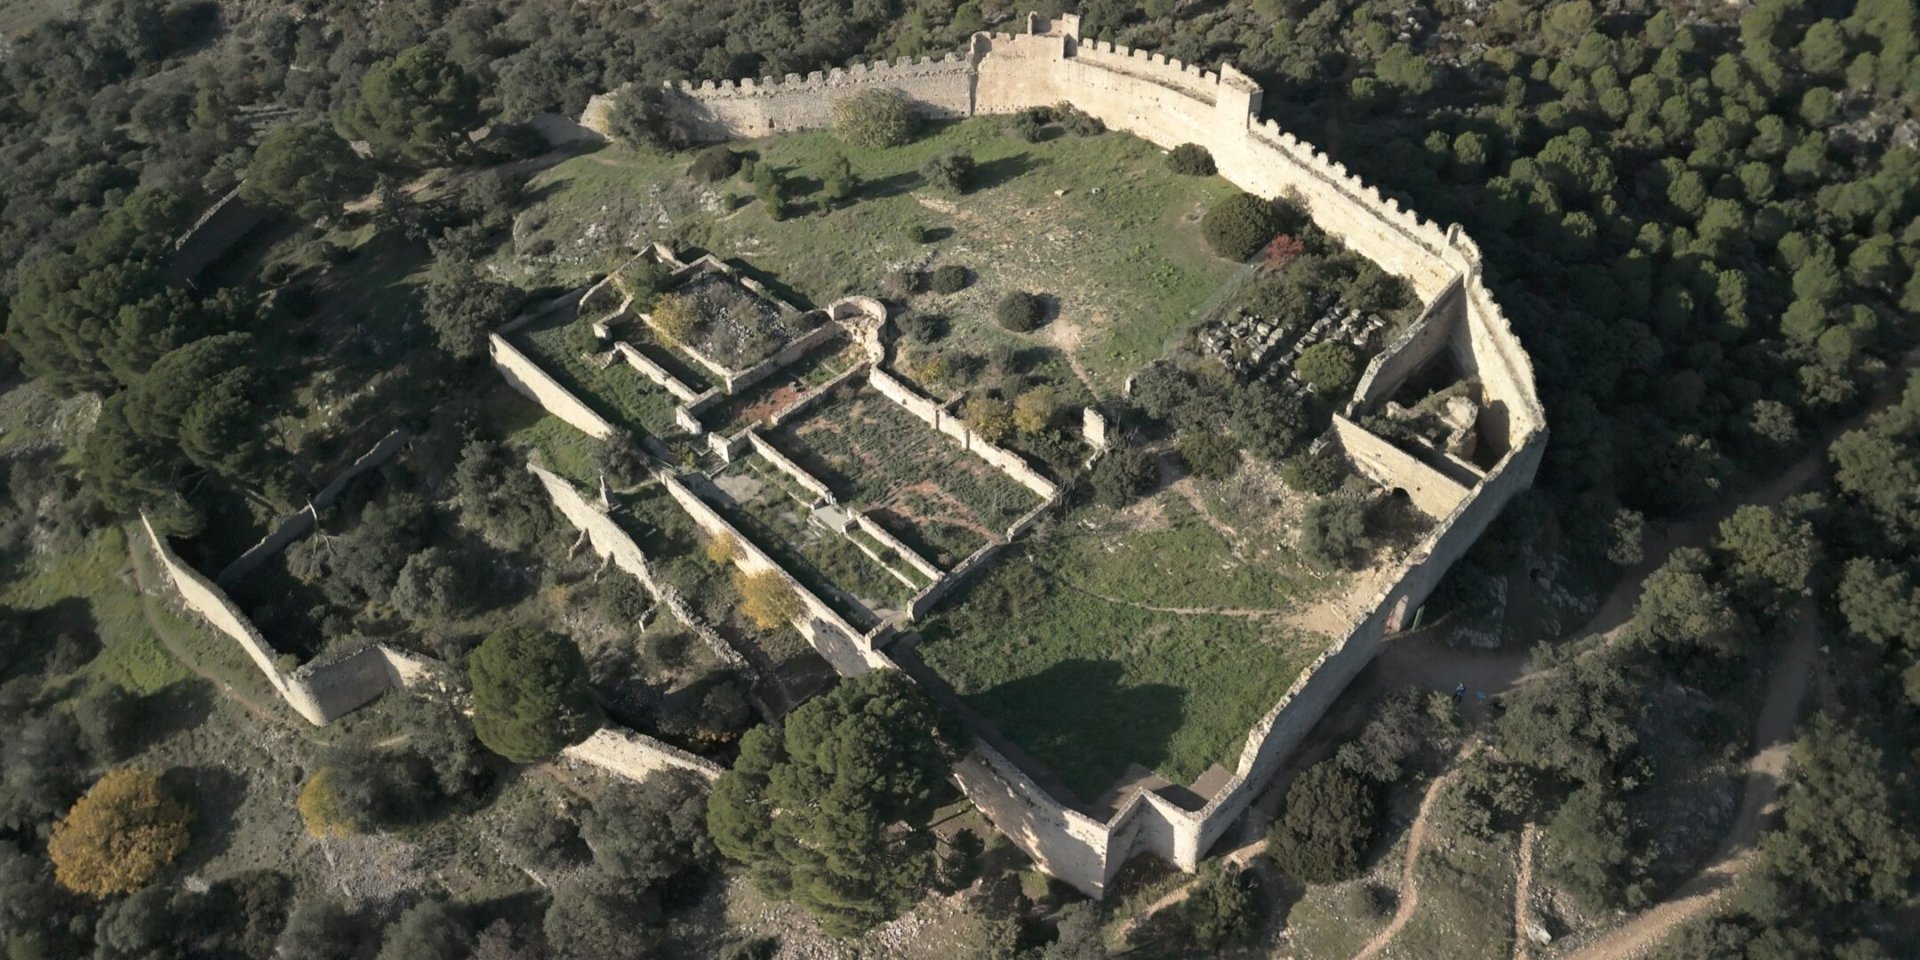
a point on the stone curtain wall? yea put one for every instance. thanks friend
(756, 108)
(527, 377)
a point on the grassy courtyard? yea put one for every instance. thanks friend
(1098, 223)
(1106, 641)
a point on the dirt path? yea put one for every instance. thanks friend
(1244, 613)
(1416, 840)
(1236, 859)
(1522, 891)
(1772, 736)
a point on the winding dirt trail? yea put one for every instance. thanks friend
(1416, 841)
(1772, 737)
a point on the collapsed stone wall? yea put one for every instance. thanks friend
(302, 521)
(324, 692)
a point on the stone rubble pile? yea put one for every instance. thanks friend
(1256, 348)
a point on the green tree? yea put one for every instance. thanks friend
(530, 694)
(818, 807)
(432, 586)
(652, 834)
(1221, 908)
(1592, 850)
(1121, 475)
(1683, 606)
(1770, 554)
(1330, 367)
(1020, 311)
(1333, 532)
(952, 171)
(1238, 226)
(464, 304)
(594, 921)
(1881, 604)
(1327, 825)
(305, 169)
(876, 118)
(430, 930)
(1580, 721)
(1842, 837)
(416, 105)
(1267, 422)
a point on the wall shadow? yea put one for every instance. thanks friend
(1081, 719)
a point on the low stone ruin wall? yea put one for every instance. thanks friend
(656, 373)
(749, 557)
(927, 568)
(527, 377)
(610, 540)
(798, 346)
(636, 756)
(929, 412)
(785, 464)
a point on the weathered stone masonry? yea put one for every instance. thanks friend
(1170, 103)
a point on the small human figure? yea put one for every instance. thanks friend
(1459, 693)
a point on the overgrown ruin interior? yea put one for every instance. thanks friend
(829, 469)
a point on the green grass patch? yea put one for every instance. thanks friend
(523, 424)
(1058, 647)
(83, 592)
(1099, 223)
(91, 591)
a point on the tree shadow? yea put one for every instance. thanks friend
(994, 173)
(215, 796)
(892, 185)
(1082, 719)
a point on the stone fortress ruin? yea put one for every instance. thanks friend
(1457, 464)
(1462, 481)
